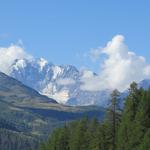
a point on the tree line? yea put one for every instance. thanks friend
(122, 129)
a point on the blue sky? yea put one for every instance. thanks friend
(62, 31)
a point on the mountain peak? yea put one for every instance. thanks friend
(58, 82)
(61, 82)
(42, 63)
(20, 63)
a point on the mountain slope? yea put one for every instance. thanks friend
(26, 116)
(15, 92)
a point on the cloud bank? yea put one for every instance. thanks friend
(94, 54)
(65, 81)
(9, 54)
(120, 68)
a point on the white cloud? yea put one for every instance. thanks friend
(120, 68)
(9, 54)
(90, 82)
(65, 81)
(94, 54)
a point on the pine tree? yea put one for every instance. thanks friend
(146, 142)
(42, 147)
(113, 116)
(127, 126)
(78, 140)
(93, 134)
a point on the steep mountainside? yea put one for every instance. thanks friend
(13, 91)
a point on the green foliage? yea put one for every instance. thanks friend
(10, 140)
(145, 145)
(121, 130)
(27, 126)
(135, 119)
(78, 135)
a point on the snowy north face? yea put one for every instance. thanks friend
(61, 83)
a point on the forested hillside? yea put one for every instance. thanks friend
(26, 117)
(127, 129)
(11, 140)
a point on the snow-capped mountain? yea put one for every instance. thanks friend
(61, 83)
(145, 84)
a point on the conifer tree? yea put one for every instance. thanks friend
(145, 145)
(132, 133)
(113, 117)
(127, 126)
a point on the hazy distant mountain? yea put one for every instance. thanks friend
(145, 84)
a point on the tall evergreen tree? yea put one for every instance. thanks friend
(113, 116)
(145, 145)
(127, 126)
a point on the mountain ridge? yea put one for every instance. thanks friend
(60, 82)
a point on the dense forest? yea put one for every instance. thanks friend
(123, 129)
(11, 140)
